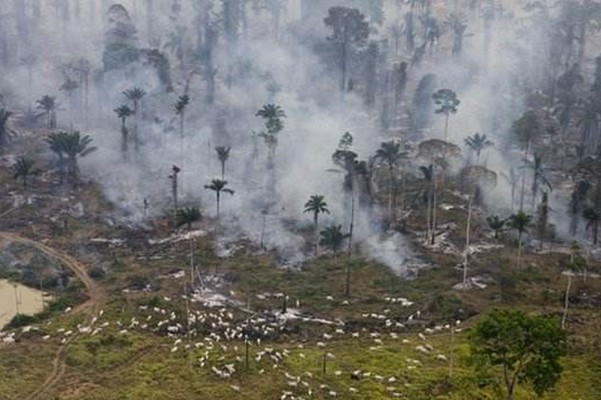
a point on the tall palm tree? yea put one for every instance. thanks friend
(333, 238)
(316, 205)
(123, 113)
(49, 106)
(223, 154)
(496, 224)
(274, 123)
(135, 95)
(4, 131)
(592, 218)
(390, 154)
(187, 216)
(23, 168)
(520, 222)
(69, 147)
(478, 143)
(180, 109)
(538, 176)
(219, 186)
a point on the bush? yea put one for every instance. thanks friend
(97, 273)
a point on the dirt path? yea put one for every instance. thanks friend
(91, 307)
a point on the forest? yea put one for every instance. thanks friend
(300, 199)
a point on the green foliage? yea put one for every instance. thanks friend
(527, 128)
(520, 222)
(447, 101)
(187, 216)
(527, 348)
(333, 238)
(316, 205)
(181, 104)
(478, 143)
(496, 224)
(21, 320)
(348, 26)
(23, 168)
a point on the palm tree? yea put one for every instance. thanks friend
(496, 224)
(187, 216)
(223, 154)
(69, 147)
(316, 205)
(520, 222)
(135, 95)
(333, 238)
(180, 109)
(23, 168)
(390, 154)
(273, 116)
(219, 186)
(592, 218)
(539, 176)
(123, 113)
(4, 131)
(49, 106)
(478, 143)
(447, 103)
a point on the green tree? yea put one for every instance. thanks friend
(447, 103)
(316, 205)
(538, 175)
(496, 224)
(48, 105)
(123, 113)
(219, 186)
(527, 128)
(526, 348)
(274, 123)
(180, 109)
(23, 168)
(135, 95)
(478, 143)
(391, 155)
(187, 216)
(223, 154)
(349, 30)
(333, 238)
(70, 147)
(520, 222)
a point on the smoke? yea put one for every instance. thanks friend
(261, 69)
